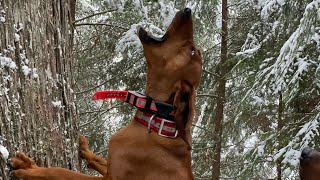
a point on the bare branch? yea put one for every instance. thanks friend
(102, 24)
(105, 82)
(211, 73)
(95, 14)
(207, 95)
(103, 111)
(200, 127)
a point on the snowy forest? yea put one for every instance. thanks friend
(257, 106)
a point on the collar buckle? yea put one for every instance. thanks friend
(161, 128)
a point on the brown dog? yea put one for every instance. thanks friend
(309, 164)
(136, 152)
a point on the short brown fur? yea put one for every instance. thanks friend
(310, 164)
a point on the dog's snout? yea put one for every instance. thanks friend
(187, 12)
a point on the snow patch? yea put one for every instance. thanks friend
(268, 7)
(2, 16)
(250, 142)
(57, 104)
(35, 73)
(196, 129)
(2, 19)
(248, 52)
(167, 12)
(26, 70)
(16, 37)
(292, 157)
(4, 152)
(119, 4)
(87, 5)
(18, 27)
(130, 39)
(7, 62)
(260, 150)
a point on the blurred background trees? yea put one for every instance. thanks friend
(271, 108)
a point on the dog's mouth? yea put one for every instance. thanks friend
(179, 26)
(145, 37)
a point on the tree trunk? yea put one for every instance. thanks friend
(37, 109)
(280, 126)
(221, 93)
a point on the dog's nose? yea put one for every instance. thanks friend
(305, 152)
(187, 11)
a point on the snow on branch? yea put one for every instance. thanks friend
(286, 61)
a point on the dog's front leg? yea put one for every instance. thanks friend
(95, 162)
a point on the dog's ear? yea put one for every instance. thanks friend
(184, 102)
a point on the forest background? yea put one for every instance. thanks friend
(261, 69)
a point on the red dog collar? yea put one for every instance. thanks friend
(140, 101)
(163, 127)
(156, 115)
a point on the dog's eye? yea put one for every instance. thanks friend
(193, 51)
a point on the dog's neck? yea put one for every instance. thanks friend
(158, 92)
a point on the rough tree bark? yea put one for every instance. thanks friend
(221, 93)
(37, 109)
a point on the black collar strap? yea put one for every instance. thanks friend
(139, 100)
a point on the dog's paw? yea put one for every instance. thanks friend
(22, 161)
(83, 143)
(85, 152)
(21, 164)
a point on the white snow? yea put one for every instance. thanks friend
(4, 151)
(196, 128)
(257, 100)
(2, 19)
(292, 157)
(260, 150)
(248, 52)
(119, 4)
(18, 27)
(56, 104)
(16, 37)
(167, 12)
(117, 58)
(316, 37)
(280, 2)
(35, 73)
(251, 46)
(87, 5)
(250, 141)
(130, 39)
(26, 70)
(268, 7)
(7, 62)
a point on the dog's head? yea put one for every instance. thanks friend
(173, 65)
(309, 164)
